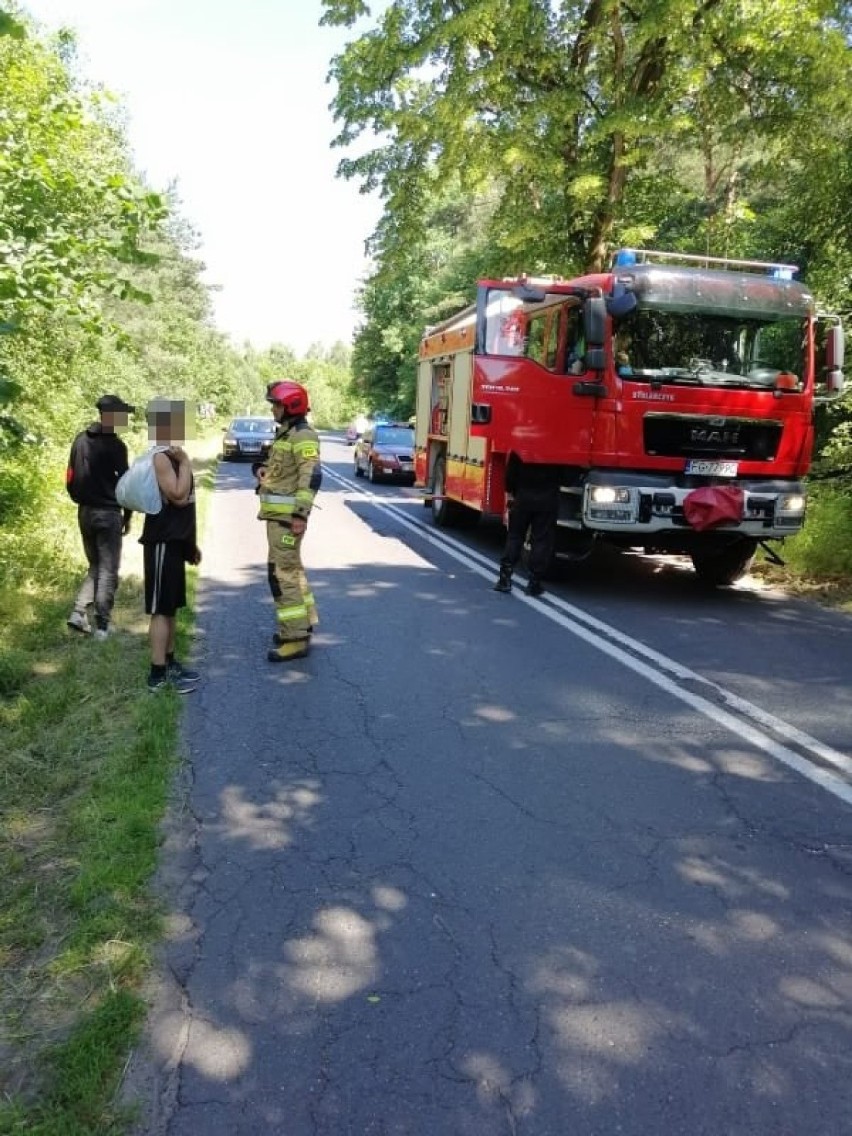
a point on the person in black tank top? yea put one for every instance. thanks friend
(169, 544)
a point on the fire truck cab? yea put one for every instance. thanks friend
(675, 391)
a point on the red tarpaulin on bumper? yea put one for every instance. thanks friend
(712, 506)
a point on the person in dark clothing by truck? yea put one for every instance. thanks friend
(97, 460)
(532, 492)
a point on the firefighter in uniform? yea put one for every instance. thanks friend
(288, 484)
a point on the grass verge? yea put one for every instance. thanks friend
(818, 560)
(89, 759)
(834, 591)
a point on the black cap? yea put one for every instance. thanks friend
(112, 403)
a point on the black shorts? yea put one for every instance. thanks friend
(165, 577)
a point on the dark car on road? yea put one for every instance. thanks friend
(248, 438)
(386, 451)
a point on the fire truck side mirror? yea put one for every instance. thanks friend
(595, 359)
(835, 382)
(834, 353)
(834, 347)
(594, 321)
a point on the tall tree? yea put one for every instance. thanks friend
(562, 104)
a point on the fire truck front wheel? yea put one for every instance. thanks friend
(721, 566)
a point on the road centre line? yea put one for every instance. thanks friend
(631, 653)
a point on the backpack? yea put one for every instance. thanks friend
(77, 477)
(138, 489)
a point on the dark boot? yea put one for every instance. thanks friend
(504, 580)
(534, 586)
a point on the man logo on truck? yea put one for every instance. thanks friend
(716, 437)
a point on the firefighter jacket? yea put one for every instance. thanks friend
(293, 473)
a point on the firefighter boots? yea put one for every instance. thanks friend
(534, 586)
(290, 650)
(504, 580)
(279, 640)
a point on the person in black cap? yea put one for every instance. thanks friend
(98, 459)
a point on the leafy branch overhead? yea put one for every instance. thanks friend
(72, 212)
(566, 105)
(9, 26)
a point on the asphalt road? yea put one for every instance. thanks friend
(489, 866)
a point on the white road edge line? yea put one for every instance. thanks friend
(591, 630)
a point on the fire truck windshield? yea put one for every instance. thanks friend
(703, 348)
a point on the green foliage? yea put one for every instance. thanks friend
(824, 546)
(72, 214)
(564, 106)
(325, 372)
(11, 26)
(421, 278)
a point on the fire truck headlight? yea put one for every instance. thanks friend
(613, 503)
(792, 503)
(609, 495)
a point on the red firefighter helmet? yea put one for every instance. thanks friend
(292, 396)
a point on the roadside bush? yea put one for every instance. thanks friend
(824, 546)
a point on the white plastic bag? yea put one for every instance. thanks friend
(137, 489)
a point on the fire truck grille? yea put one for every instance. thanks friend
(696, 436)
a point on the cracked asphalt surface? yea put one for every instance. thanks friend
(458, 874)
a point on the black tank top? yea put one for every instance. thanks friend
(173, 522)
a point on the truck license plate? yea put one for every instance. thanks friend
(711, 468)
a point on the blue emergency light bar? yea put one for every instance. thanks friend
(629, 258)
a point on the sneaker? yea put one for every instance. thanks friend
(179, 685)
(178, 670)
(534, 588)
(101, 634)
(79, 621)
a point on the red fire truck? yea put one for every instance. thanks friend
(675, 391)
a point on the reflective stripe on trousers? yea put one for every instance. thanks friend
(295, 608)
